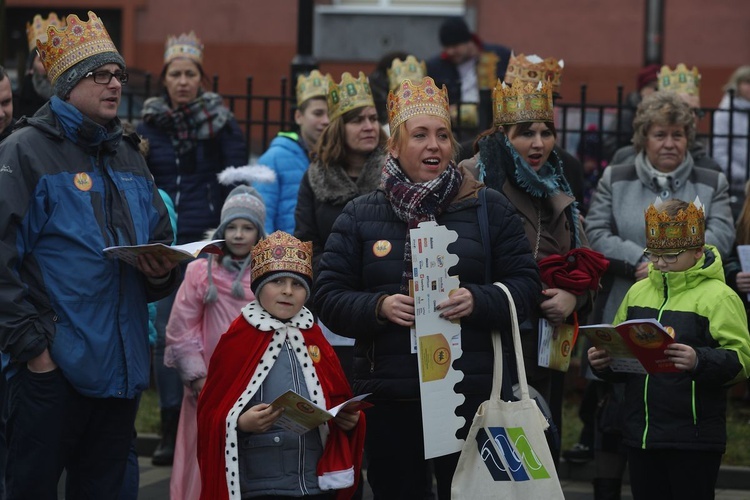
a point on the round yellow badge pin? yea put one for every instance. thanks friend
(82, 181)
(381, 248)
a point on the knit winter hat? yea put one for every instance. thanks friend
(454, 31)
(647, 75)
(243, 202)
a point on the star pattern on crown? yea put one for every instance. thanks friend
(349, 94)
(422, 98)
(522, 102)
(67, 46)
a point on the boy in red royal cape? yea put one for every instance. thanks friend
(273, 346)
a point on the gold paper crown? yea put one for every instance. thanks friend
(487, 69)
(686, 230)
(348, 95)
(408, 69)
(69, 45)
(680, 80)
(37, 28)
(281, 252)
(424, 98)
(533, 68)
(522, 102)
(313, 85)
(186, 45)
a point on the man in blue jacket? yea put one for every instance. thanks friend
(73, 323)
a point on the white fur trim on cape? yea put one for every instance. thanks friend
(248, 174)
(257, 317)
(336, 480)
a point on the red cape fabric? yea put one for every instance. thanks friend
(577, 271)
(232, 365)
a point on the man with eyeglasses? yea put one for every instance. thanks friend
(73, 323)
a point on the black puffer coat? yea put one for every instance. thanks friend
(353, 279)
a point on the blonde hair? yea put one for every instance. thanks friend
(741, 74)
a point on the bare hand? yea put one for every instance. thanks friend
(197, 386)
(743, 282)
(346, 420)
(398, 309)
(155, 265)
(42, 363)
(599, 358)
(259, 418)
(683, 356)
(558, 306)
(460, 303)
(641, 271)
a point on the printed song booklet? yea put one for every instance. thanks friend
(176, 253)
(301, 415)
(635, 346)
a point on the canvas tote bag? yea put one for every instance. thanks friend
(506, 455)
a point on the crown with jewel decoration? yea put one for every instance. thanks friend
(408, 69)
(410, 99)
(186, 45)
(313, 85)
(281, 252)
(680, 80)
(522, 102)
(37, 28)
(533, 68)
(685, 230)
(349, 94)
(67, 46)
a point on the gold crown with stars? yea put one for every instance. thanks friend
(681, 80)
(68, 45)
(281, 252)
(187, 45)
(349, 94)
(313, 85)
(685, 230)
(522, 102)
(423, 98)
(37, 28)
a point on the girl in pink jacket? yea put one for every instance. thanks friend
(211, 296)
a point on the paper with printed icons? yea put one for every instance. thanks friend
(176, 253)
(301, 415)
(438, 340)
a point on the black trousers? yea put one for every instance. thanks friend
(673, 474)
(51, 427)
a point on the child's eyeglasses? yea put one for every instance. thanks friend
(104, 77)
(668, 258)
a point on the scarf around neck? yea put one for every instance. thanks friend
(84, 131)
(417, 202)
(200, 119)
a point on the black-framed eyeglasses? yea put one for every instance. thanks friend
(104, 77)
(668, 258)
(698, 112)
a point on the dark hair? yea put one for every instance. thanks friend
(520, 129)
(331, 147)
(163, 75)
(306, 103)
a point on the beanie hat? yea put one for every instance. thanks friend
(65, 83)
(647, 75)
(281, 255)
(454, 31)
(243, 202)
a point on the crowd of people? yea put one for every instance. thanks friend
(314, 291)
